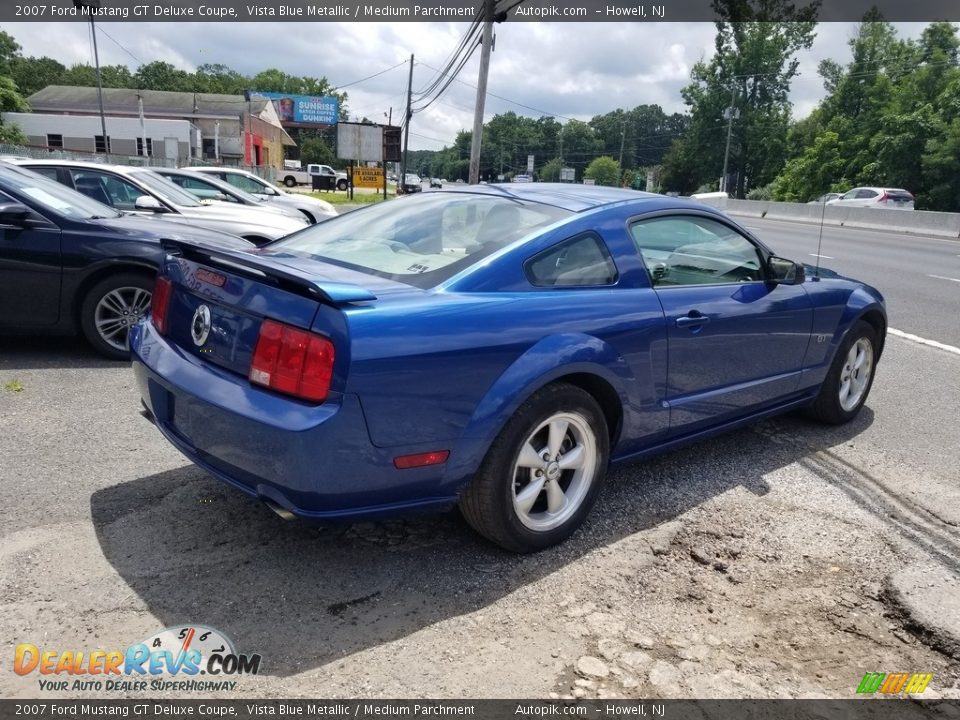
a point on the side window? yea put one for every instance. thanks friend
(244, 183)
(695, 251)
(580, 261)
(863, 194)
(107, 189)
(849, 195)
(46, 171)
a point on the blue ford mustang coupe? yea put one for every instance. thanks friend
(494, 347)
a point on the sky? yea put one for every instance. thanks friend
(565, 70)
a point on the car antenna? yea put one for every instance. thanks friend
(823, 214)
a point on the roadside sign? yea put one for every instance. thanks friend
(568, 174)
(589, 181)
(367, 177)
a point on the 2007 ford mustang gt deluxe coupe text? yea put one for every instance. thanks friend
(493, 347)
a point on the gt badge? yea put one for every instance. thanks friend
(200, 325)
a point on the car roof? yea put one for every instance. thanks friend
(576, 198)
(122, 169)
(219, 168)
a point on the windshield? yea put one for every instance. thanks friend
(54, 197)
(199, 181)
(421, 240)
(159, 185)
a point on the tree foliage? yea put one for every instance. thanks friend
(604, 170)
(890, 118)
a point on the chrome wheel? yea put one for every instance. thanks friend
(117, 312)
(553, 471)
(855, 374)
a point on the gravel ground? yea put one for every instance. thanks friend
(784, 560)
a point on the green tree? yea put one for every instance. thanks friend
(604, 170)
(550, 172)
(317, 150)
(11, 101)
(752, 69)
(32, 74)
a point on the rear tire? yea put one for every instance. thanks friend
(342, 185)
(542, 473)
(290, 182)
(110, 308)
(847, 385)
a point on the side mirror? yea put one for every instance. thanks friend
(271, 191)
(785, 272)
(150, 203)
(13, 213)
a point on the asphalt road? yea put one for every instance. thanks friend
(918, 276)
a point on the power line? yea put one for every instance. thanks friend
(368, 77)
(451, 59)
(120, 45)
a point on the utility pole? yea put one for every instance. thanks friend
(730, 113)
(488, 7)
(623, 137)
(406, 128)
(92, 5)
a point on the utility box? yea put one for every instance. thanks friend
(323, 182)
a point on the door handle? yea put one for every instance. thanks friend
(692, 319)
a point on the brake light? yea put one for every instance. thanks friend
(883, 198)
(292, 361)
(159, 303)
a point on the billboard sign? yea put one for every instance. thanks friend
(303, 109)
(360, 142)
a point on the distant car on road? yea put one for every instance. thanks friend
(824, 199)
(313, 209)
(522, 179)
(436, 183)
(412, 183)
(875, 197)
(494, 347)
(69, 263)
(142, 191)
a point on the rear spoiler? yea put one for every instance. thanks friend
(268, 270)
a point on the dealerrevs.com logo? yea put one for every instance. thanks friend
(173, 659)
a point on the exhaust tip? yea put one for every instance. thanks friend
(281, 511)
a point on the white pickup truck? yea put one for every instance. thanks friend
(293, 175)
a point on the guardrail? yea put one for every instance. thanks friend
(913, 222)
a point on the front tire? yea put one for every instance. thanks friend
(110, 308)
(542, 473)
(847, 385)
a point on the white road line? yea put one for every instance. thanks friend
(825, 257)
(942, 277)
(923, 341)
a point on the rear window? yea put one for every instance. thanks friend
(420, 240)
(898, 195)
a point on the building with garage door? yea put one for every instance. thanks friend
(229, 129)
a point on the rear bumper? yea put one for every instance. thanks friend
(315, 461)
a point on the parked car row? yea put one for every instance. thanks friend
(80, 241)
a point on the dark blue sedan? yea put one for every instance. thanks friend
(494, 347)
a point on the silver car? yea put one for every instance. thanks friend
(313, 209)
(206, 187)
(875, 197)
(142, 191)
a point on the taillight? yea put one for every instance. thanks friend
(883, 198)
(159, 304)
(292, 361)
